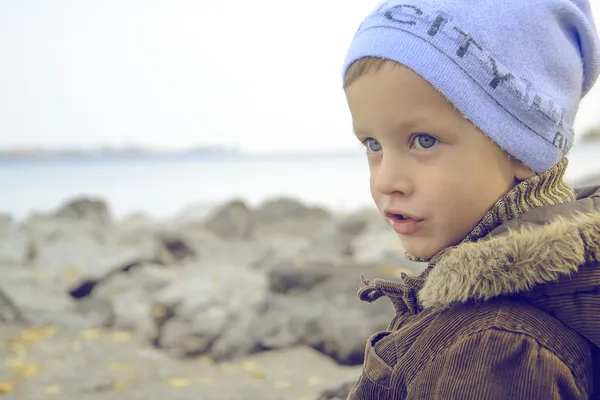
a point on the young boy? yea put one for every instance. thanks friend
(466, 111)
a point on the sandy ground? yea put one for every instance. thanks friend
(61, 363)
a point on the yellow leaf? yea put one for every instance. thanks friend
(90, 334)
(158, 310)
(13, 362)
(250, 366)
(116, 367)
(19, 349)
(28, 370)
(256, 374)
(179, 382)
(386, 269)
(121, 336)
(206, 359)
(228, 367)
(54, 389)
(38, 333)
(71, 273)
(6, 387)
(118, 385)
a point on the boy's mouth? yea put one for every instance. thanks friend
(402, 223)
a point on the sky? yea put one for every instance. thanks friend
(260, 75)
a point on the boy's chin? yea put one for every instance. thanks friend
(420, 248)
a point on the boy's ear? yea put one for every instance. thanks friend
(521, 171)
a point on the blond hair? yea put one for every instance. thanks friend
(362, 67)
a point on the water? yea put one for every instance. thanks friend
(165, 186)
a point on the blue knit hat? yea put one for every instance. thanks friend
(517, 69)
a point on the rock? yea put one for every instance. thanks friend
(157, 244)
(41, 302)
(378, 246)
(194, 213)
(233, 252)
(45, 229)
(279, 249)
(136, 218)
(173, 248)
(192, 335)
(340, 392)
(288, 217)
(320, 312)
(341, 240)
(358, 222)
(79, 264)
(231, 221)
(330, 246)
(286, 208)
(9, 312)
(96, 312)
(205, 302)
(131, 296)
(286, 278)
(85, 208)
(16, 247)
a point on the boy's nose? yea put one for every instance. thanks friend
(392, 176)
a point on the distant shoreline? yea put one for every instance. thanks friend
(12, 155)
(108, 153)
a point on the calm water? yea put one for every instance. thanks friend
(165, 186)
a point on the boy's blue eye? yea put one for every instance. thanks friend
(424, 141)
(372, 145)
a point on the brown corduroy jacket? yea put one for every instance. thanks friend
(515, 315)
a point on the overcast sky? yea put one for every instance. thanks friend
(263, 75)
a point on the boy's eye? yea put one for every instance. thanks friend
(372, 145)
(424, 141)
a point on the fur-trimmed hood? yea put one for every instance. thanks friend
(550, 255)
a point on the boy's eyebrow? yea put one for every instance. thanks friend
(403, 126)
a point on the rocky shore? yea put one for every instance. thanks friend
(245, 303)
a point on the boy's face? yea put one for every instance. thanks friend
(426, 161)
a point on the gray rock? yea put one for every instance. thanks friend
(288, 278)
(41, 302)
(343, 239)
(280, 249)
(377, 246)
(358, 222)
(233, 252)
(323, 313)
(157, 244)
(85, 208)
(16, 247)
(46, 229)
(131, 296)
(286, 208)
(231, 221)
(288, 217)
(194, 333)
(340, 392)
(206, 302)
(9, 312)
